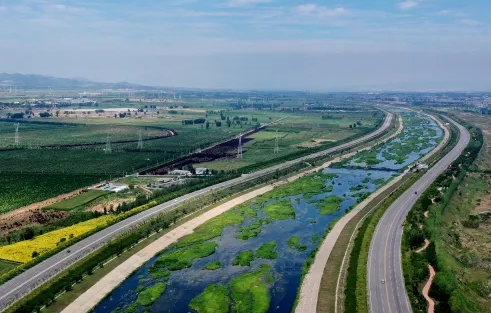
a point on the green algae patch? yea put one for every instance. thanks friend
(281, 210)
(252, 230)
(246, 293)
(213, 266)
(379, 181)
(307, 186)
(329, 205)
(215, 299)
(244, 258)
(294, 243)
(267, 251)
(248, 234)
(151, 294)
(357, 188)
(250, 291)
(214, 228)
(183, 258)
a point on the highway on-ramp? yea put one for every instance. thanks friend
(386, 289)
(23, 284)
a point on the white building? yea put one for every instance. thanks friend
(181, 173)
(201, 171)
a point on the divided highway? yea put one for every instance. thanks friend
(386, 289)
(23, 284)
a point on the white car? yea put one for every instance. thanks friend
(383, 281)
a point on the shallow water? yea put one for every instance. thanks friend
(419, 149)
(184, 285)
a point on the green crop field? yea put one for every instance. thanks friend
(75, 202)
(23, 189)
(6, 266)
(296, 133)
(43, 170)
(50, 133)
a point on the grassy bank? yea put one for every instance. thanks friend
(452, 293)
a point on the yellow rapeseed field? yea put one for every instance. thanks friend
(22, 251)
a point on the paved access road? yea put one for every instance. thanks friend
(386, 290)
(23, 284)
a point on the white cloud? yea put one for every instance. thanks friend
(470, 22)
(62, 8)
(243, 3)
(314, 9)
(452, 13)
(409, 4)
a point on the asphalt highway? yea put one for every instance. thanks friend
(386, 289)
(23, 284)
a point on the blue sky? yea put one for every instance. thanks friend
(265, 44)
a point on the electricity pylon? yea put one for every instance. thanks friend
(16, 139)
(140, 141)
(276, 147)
(239, 149)
(108, 145)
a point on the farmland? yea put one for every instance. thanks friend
(296, 134)
(22, 189)
(25, 251)
(31, 174)
(75, 202)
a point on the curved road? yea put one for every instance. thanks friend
(384, 260)
(23, 284)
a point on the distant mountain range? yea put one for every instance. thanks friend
(30, 81)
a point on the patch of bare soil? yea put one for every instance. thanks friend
(44, 203)
(31, 217)
(107, 205)
(314, 143)
(33, 214)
